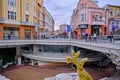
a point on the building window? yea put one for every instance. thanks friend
(115, 12)
(27, 33)
(11, 33)
(82, 6)
(12, 3)
(34, 9)
(11, 15)
(27, 18)
(85, 17)
(38, 21)
(96, 17)
(118, 13)
(85, 6)
(26, 7)
(38, 14)
(56, 48)
(111, 12)
(82, 17)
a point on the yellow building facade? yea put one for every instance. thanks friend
(113, 18)
(114, 11)
(18, 19)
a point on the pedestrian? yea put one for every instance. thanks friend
(95, 37)
(111, 37)
(89, 38)
(86, 37)
(8, 36)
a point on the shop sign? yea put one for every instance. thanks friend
(95, 26)
(83, 26)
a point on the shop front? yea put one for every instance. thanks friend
(96, 29)
(27, 34)
(83, 28)
(114, 26)
(11, 33)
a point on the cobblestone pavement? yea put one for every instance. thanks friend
(26, 72)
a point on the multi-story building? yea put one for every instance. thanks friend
(48, 23)
(17, 19)
(113, 14)
(63, 28)
(40, 14)
(88, 18)
(97, 21)
(74, 19)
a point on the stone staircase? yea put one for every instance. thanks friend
(115, 60)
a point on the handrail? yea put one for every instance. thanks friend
(54, 59)
(100, 37)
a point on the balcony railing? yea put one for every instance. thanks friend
(17, 22)
(27, 23)
(98, 22)
(11, 21)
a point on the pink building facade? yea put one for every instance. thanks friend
(89, 18)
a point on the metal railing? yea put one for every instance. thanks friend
(55, 56)
(45, 54)
(100, 39)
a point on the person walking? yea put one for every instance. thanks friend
(89, 38)
(94, 37)
(86, 37)
(8, 36)
(111, 37)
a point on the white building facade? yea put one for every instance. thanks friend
(48, 23)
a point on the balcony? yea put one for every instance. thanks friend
(11, 22)
(27, 23)
(17, 22)
(6, 21)
(98, 22)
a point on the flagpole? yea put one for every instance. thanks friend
(69, 35)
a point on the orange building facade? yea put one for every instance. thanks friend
(10, 31)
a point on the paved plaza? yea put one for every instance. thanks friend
(26, 72)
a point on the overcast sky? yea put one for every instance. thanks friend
(61, 10)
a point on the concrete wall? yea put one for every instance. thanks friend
(36, 48)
